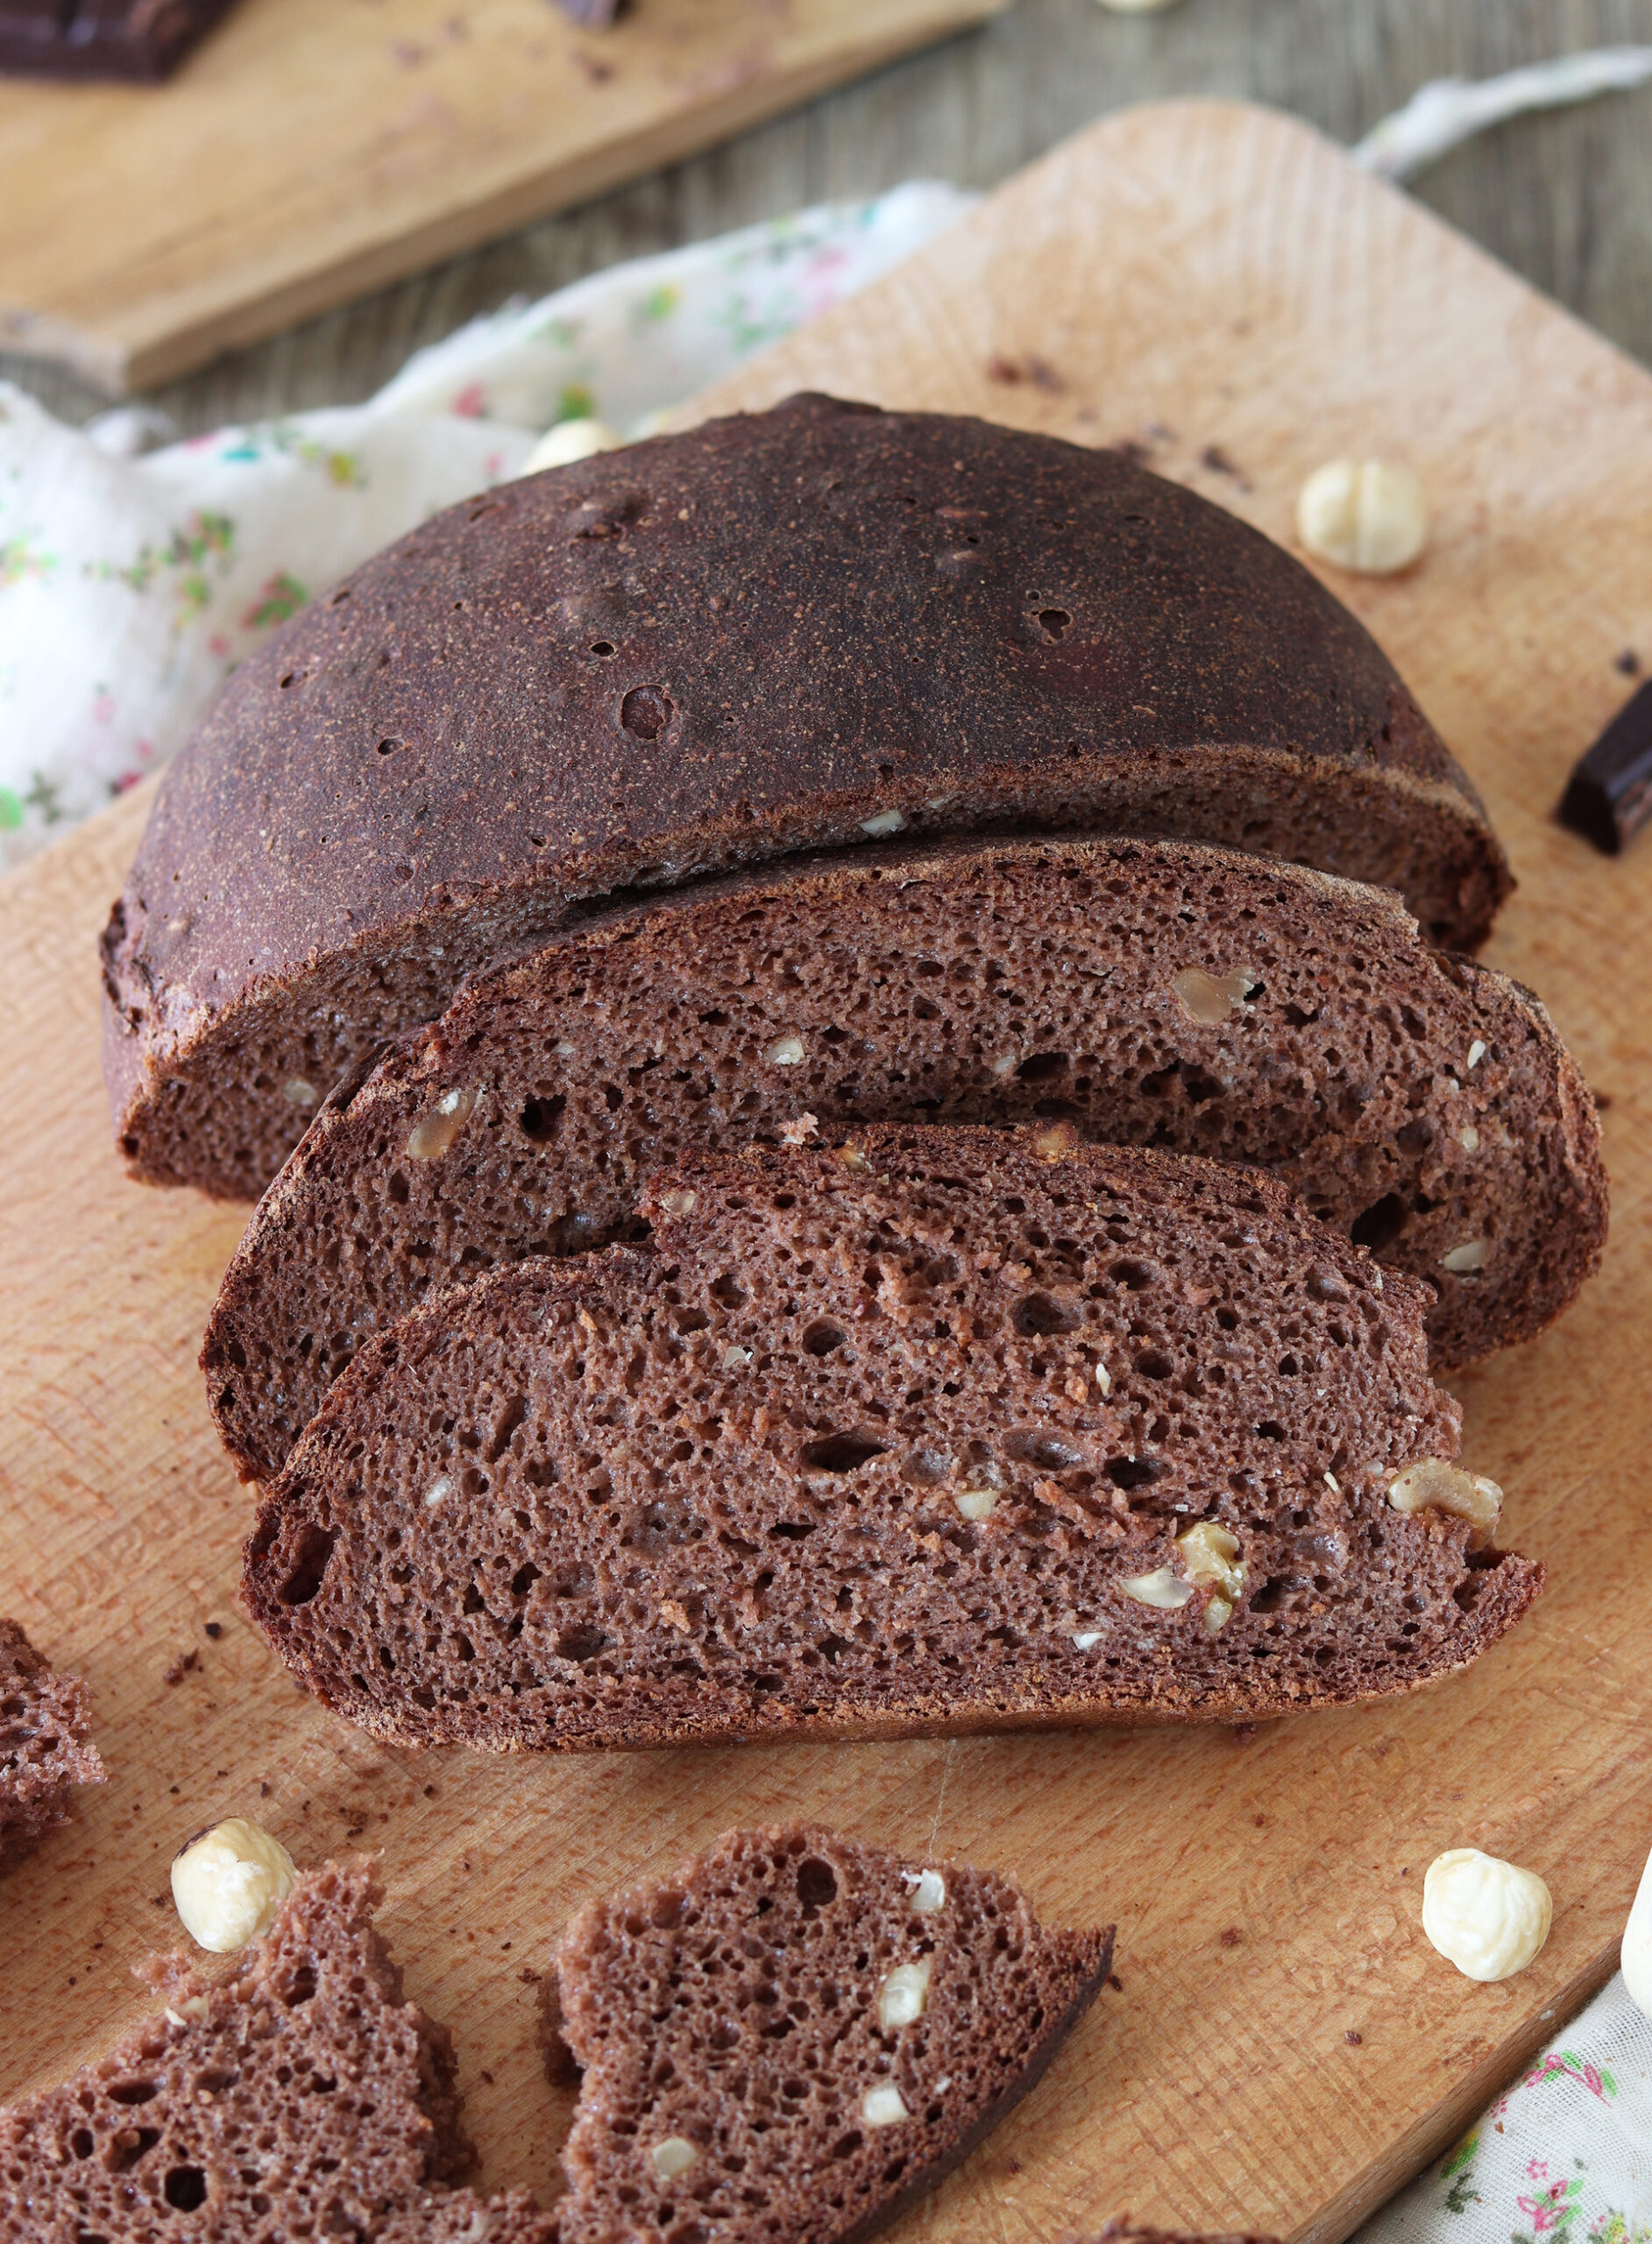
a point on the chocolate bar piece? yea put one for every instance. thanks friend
(1609, 796)
(141, 40)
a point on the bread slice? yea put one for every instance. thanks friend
(963, 1431)
(797, 2034)
(1153, 993)
(775, 632)
(301, 2097)
(45, 1744)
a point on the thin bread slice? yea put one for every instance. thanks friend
(1151, 993)
(795, 2034)
(300, 2097)
(959, 1430)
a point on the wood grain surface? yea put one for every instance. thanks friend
(1285, 2048)
(311, 149)
(1564, 196)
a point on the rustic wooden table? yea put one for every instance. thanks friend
(1565, 198)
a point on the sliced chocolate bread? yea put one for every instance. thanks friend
(800, 627)
(955, 1429)
(45, 1744)
(795, 2035)
(1152, 993)
(300, 2098)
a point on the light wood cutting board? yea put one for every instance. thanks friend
(1285, 2048)
(310, 149)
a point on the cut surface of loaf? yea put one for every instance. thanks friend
(300, 2097)
(45, 1744)
(1152, 993)
(919, 2000)
(939, 1434)
(776, 632)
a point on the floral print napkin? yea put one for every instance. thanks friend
(1564, 2154)
(130, 588)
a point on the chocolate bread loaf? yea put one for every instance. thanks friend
(301, 2098)
(950, 1429)
(1153, 993)
(803, 627)
(797, 2034)
(45, 1744)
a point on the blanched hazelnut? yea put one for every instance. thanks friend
(679, 1202)
(1463, 1260)
(1488, 1917)
(854, 1159)
(1368, 515)
(1163, 1589)
(582, 438)
(784, 1052)
(673, 2156)
(1432, 1485)
(228, 1883)
(928, 1893)
(1477, 1053)
(1212, 998)
(976, 1503)
(885, 2106)
(439, 1490)
(1088, 1640)
(799, 1130)
(903, 1996)
(886, 822)
(433, 1134)
(1210, 1557)
(297, 1092)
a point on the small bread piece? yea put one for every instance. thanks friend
(45, 1744)
(745, 2075)
(301, 2097)
(1152, 993)
(782, 631)
(962, 1429)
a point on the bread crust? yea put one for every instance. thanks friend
(770, 634)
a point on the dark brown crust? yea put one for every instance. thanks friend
(813, 618)
(325, 1258)
(598, 1973)
(505, 1326)
(45, 1744)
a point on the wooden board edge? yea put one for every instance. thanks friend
(732, 391)
(129, 356)
(1435, 2135)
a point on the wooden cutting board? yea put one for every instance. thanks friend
(1221, 286)
(310, 149)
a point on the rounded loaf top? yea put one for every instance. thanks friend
(776, 631)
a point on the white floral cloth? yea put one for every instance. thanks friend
(131, 587)
(1564, 2154)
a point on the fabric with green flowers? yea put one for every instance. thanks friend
(132, 586)
(1563, 2156)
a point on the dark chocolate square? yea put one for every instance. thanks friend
(140, 40)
